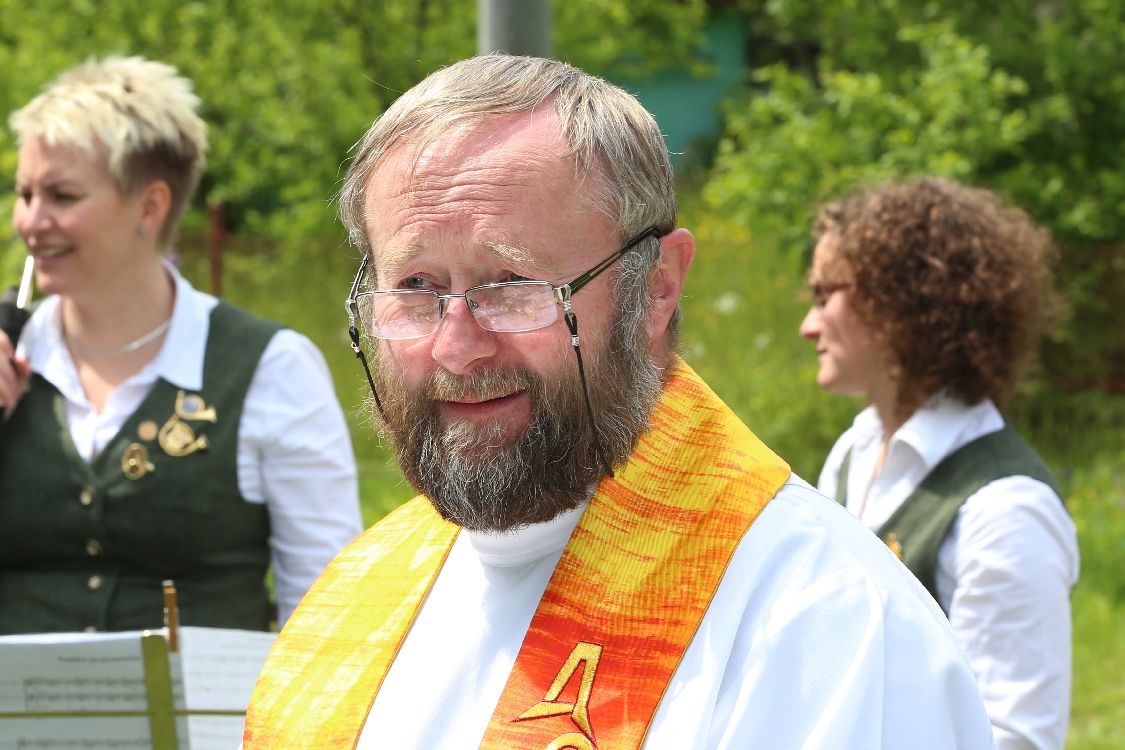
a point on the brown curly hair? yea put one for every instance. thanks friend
(953, 282)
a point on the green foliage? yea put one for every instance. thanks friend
(742, 305)
(289, 85)
(800, 142)
(1070, 173)
(1027, 100)
(1097, 712)
(633, 39)
(1096, 498)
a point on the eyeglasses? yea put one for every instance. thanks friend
(821, 293)
(504, 307)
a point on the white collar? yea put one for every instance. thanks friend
(937, 428)
(179, 361)
(523, 545)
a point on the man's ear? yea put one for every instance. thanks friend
(677, 249)
(155, 202)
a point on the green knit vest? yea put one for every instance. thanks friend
(917, 528)
(86, 545)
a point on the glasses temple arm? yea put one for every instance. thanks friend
(353, 331)
(572, 324)
(587, 277)
(353, 334)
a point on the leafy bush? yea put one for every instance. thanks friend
(289, 85)
(793, 143)
(1027, 101)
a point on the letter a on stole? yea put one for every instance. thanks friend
(584, 656)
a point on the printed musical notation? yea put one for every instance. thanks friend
(88, 691)
(219, 670)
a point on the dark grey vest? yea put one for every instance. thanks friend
(86, 545)
(917, 528)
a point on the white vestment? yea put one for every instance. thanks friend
(817, 638)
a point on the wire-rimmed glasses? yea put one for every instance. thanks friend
(507, 307)
(504, 307)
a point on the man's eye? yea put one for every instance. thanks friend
(415, 282)
(515, 277)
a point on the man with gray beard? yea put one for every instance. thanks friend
(603, 555)
(482, 482)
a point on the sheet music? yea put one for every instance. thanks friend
(69, 672)
(220, 668)
(214, 670)
(76, 734)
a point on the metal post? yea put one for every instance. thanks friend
(518, 27)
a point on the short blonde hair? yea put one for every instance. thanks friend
(138, 114)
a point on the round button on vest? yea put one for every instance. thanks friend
(93, 548)
(86, 497)
(94, 582)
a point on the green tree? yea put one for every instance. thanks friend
(289, 85)
(1025, 99)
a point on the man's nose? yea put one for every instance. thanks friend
(460, 341)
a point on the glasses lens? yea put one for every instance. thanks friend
(399, 314)
(513, 306)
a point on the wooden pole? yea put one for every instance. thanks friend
(216, 240)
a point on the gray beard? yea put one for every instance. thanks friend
(476, 481)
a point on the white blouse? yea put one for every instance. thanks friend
(1005, 571)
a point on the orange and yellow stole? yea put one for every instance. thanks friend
(620, 609)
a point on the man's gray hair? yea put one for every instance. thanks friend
(138, 114)
(619, 152)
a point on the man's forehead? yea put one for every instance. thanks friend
(398, 255)
(535, 134)
(462, 192)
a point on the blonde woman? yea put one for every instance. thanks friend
(155, 432)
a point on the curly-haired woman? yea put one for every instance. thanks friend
(929, 298)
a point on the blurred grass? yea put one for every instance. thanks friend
(742, 303)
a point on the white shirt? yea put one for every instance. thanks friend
(294, 450)
(1004, 572)
(817, 638)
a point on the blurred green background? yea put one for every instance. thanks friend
(796, 101)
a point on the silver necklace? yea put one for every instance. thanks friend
(117, 351)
